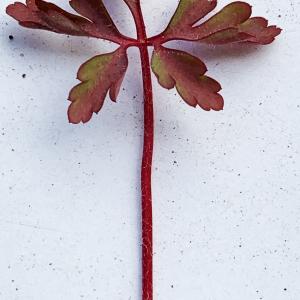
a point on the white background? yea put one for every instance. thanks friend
(226, 186)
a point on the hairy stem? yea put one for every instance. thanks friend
(147, 233)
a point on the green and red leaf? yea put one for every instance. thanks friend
(98, 76)
(40, 14)
(175, 68)
(231, 24)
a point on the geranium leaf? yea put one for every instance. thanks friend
(231, 24)
(175, 68)
(48, 16)
(99, 75)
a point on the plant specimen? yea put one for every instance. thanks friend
(103, 74)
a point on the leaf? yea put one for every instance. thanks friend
(231, 24)
(44, 15)
(99, 75)
(187, 14)
(175, 68)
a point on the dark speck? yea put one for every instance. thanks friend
(24, 75)
(11, 37)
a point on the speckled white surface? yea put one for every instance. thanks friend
(226, 184)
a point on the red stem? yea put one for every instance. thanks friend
(147, 234)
